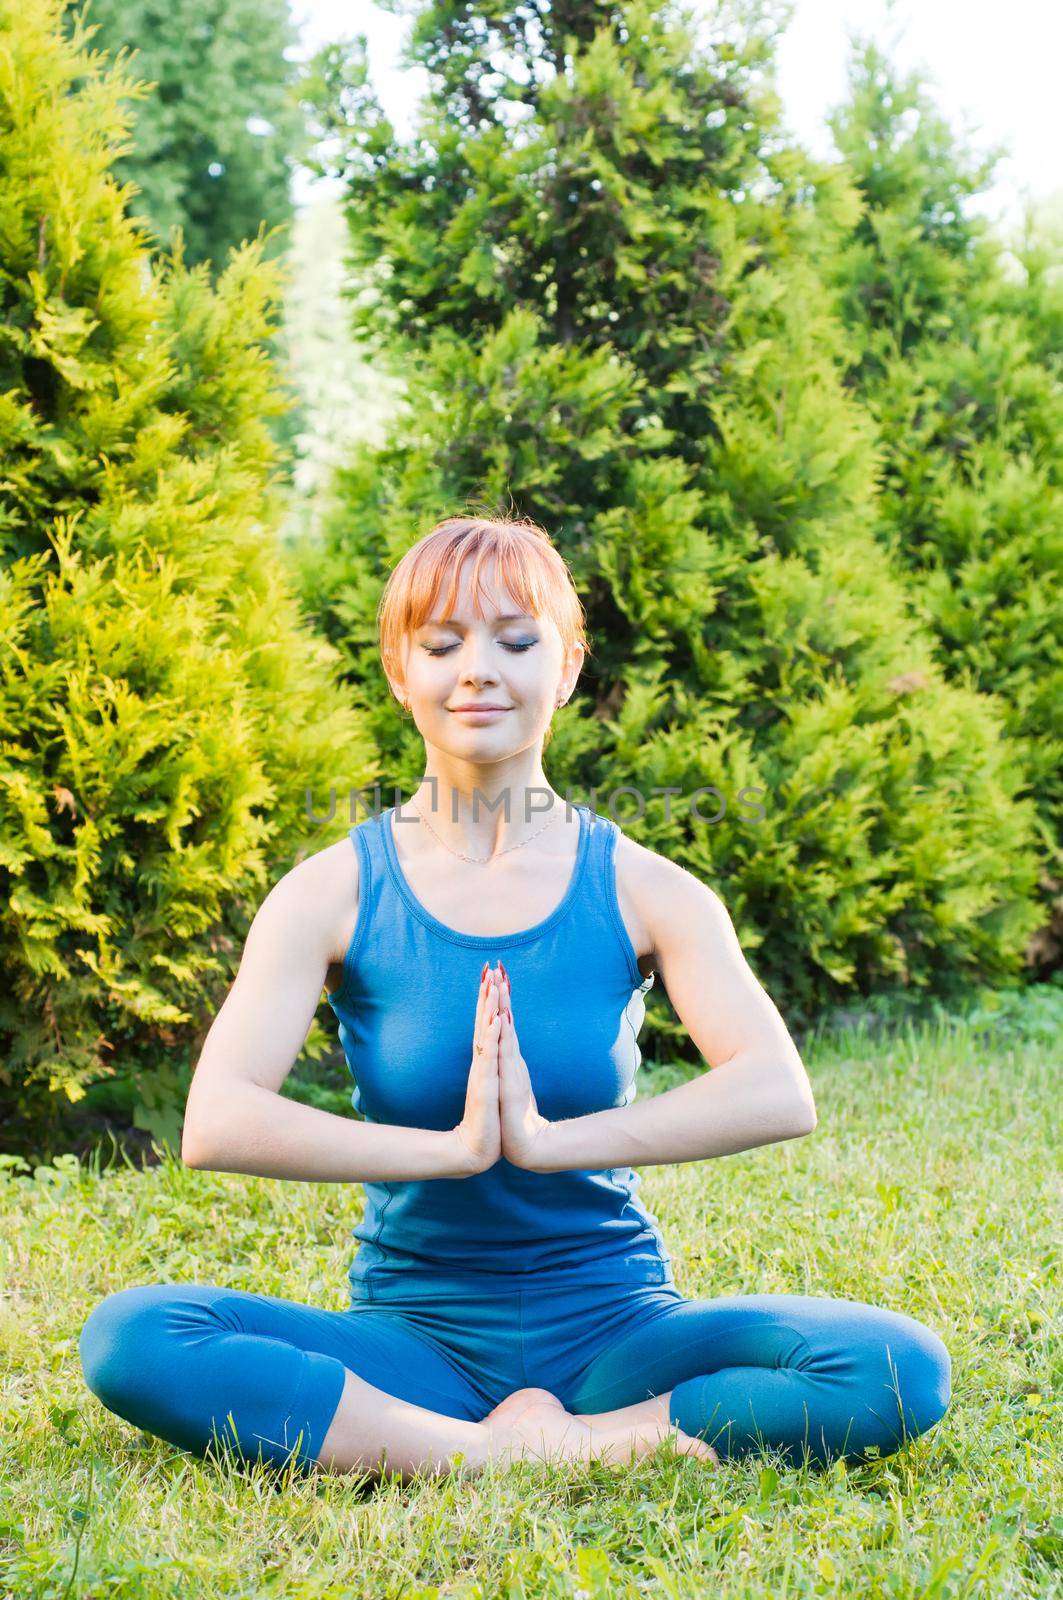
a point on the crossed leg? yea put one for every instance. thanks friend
(813, 1377)
(189, 1361)
(283, 1381)
(342, 1391)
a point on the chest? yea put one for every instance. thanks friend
(500, 904)
(411, 1057)
(491, 901)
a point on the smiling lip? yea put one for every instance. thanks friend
(478, 712)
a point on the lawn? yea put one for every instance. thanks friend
(931, 1185)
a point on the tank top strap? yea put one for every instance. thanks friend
(600, 901)
(372, 875)
(601, 846)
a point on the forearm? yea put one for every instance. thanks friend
(742, 1103)
(250, 1129)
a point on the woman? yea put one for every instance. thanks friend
(487, 948)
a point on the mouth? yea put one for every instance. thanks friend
(478, 713)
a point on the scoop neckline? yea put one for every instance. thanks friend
(484, 940)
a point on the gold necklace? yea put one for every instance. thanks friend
(476, 861)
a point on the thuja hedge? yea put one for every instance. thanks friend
(959, 359)
(164, 705)
(600, 289)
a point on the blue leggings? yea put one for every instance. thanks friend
(789, 1372)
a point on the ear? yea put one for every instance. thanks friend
(573, 668)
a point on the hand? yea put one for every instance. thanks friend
(479, 1133)
(524, 1129)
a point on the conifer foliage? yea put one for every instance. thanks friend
(961, 362)
(212, 143)
(594, 267)
(164, 706)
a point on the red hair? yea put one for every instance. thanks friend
(526, 562)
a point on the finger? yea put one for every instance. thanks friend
(490, 1031)
(484, 992)
(481, 1035)
(491, 1003)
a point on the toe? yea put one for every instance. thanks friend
(690, 1445)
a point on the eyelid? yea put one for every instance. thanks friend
(525, 634)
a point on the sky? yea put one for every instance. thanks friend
(994, 71)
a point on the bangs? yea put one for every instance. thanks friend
(517, 555)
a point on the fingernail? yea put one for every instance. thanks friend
(502, 968)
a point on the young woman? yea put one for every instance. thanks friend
(487, 947)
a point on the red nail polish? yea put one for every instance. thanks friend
(502, 968)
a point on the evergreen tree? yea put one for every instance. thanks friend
(164, 706)
(960, 360)
(591, 266)
(213, 141)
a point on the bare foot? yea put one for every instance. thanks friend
(636, 1430)
(534, 1422)
(509, 1409)
(630, 1442)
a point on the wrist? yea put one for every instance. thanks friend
(457, 1160)
(543, 1153)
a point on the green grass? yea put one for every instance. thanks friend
(931, 1185)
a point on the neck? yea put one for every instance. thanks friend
(481, 811)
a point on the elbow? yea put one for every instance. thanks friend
(188, 1157)
(199, 1128)
(191, 1154)
(806, 1124)
(804, 1117)
(801, 1115)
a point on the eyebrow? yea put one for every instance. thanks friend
(451, 622)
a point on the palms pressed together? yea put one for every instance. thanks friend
(533, 1422)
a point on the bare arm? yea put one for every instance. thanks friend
(236, 1120)
(757, 1092)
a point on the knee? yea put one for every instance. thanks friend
(924, 1370)
(119, 1343)
(916, 1384)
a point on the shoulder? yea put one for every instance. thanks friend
(320, 892)
(664, 897)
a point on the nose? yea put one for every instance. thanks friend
(476, 662)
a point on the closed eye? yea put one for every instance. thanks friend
(445, 649)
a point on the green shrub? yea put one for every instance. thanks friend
(164, 705)
(611, 320)
(960, 360)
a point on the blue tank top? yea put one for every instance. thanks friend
(406, 1008)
